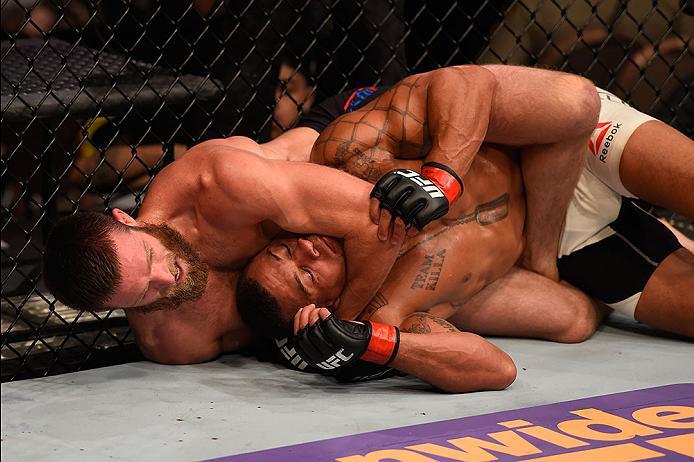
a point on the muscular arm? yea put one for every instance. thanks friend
(458, 107)
(429, 348)
(307, 199)
(435, 351)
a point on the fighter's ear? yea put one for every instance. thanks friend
(122, 217)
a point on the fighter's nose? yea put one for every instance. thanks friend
(162, 277)
(308, 247)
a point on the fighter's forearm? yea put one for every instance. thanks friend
(455, 362)
(459, 102)
(365, 274)
(435, 351)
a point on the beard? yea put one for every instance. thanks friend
(196, 272)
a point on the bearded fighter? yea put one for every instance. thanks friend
(227, 202)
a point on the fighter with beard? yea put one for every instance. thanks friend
(228, 198)
(203, 217)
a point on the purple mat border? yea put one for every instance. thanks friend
(620, 404)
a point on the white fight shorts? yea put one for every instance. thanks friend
(610, 246)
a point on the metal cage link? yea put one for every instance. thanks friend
(98, 96)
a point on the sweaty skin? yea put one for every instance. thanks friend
(228, 202)
(444, 265)
(207, 221)
(437, 271)
(445, 115)
(475, 244)
(392, 130)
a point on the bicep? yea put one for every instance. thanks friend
(393, 307)
(425, 323)
(307, 198)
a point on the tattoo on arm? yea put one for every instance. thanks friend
(421, 323)
(484, 214)
(376, 303)
(348, 142)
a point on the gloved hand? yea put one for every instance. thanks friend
(330, 343)
(418, 199)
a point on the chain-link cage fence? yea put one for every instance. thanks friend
(98, 95)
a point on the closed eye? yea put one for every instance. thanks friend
(310, 274)
(289, 252)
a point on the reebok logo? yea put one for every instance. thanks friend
(604, 131)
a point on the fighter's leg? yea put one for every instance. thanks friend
(656, 166)
(553, 123)
(637, 266)
(550, 174)
(683, 240)
(525, 304)
(667, 301)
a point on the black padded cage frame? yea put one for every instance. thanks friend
(97, 96)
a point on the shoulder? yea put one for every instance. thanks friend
(215, 160)
(236, 149)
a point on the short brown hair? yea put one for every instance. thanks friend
(80, 263)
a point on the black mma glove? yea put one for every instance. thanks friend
(361, 371)
(332, 343)
(417, 198)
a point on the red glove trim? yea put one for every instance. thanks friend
(383, 345)
(449, 183)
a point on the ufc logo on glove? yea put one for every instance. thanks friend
(418, 198)
(426, 185)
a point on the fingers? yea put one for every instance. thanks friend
(301, 317)
(384, 225)
(391, 229)
(308, 315)
(313, 316)
(412, 231)
(399, 231)
(374, 210)
(324, 313)
(297, 320)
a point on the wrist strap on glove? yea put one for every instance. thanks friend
(383, 344)
(445, 178)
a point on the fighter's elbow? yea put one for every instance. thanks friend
(502, 374)
(506, 375)
(498, 378)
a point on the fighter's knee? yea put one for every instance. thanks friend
(578, 331)
(584, 103)
(585, 319)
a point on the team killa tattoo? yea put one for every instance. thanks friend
(428, 276)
